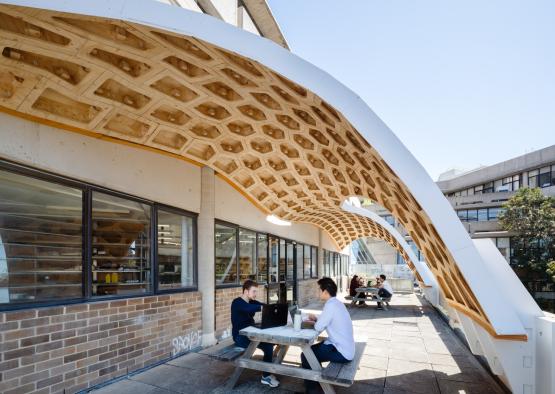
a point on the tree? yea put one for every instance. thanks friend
(530, 216)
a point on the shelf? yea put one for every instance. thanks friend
(44, 272)
(121, 284)
(39, 233)
(134, 270)
(96, 257)
(40, 286)
(46, 258)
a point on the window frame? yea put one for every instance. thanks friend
(86, 245)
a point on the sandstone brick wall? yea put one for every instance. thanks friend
(307, 292)
(70, 348)
(224, 297)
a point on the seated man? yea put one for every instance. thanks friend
(385, 289)
(242, 315)
(335, 319)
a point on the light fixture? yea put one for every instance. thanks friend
(277, 221)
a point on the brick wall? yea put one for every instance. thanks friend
(224, 297)
(70, 348)
(307, 291)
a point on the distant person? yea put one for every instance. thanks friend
(243, 309)
(335, 319)
(356, 282)
(384, 289)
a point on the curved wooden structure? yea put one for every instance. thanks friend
(174, 90)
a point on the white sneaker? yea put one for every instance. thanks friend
(270, 380)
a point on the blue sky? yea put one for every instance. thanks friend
(461, 83)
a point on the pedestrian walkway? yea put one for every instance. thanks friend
(410, 349)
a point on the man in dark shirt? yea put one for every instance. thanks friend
(242, 315)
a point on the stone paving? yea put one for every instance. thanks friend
(409, 349)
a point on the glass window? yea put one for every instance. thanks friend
(307, 262)
(262, 258)
(120, 246)
(282, 260)
(533, 178)
(493, 213)
(462, 214)
(290, 261)
(478, 189)
(488, 188)
(544, 179)
(40, 240)
(470, 191)
(497, 184)
(483, 215)
(314, 262)
(273, 294)
(553, 175)
(290, 294)
(274, 259)
(175, 251)
(504, 246)
(247, 255)
(226, 254)
(472, 215)
(300, 261)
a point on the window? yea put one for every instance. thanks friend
(504, 246)
(274, 259)
(47, 221)
(533, 178)
(314, 262)
(226, 254)
(307, 262)
(120, 246)
(463, 215)
(300, 261)
(472, 215)
(40, 240)
(478, 189)
(493, 213)
(544, 178)
(262, 258)
(483, 215)
(389, 219)
(488, 188)
(290, 261)
(247, 255)
(175, 250)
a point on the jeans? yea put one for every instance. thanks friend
(322, 352)
(267, 348)
(384, 294)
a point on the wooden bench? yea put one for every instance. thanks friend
(224, 351)
(343, 374)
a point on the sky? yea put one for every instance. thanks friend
(461, 83)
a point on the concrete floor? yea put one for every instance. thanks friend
(409, 349)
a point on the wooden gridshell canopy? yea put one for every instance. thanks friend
(288, 151)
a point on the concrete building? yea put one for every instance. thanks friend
(477, 197)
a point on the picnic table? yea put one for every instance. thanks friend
(283, 337)
(373, 292)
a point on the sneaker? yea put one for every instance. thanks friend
(270, 380)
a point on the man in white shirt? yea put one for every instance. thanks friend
(385, 290)
(335, 319)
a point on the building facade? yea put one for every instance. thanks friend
(477, 197)
(154, 157)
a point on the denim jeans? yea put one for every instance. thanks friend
(267, 348)
(322, 352)
(384, 294)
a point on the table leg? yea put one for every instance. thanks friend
(280, 353)
(239, 370)
(316, 366)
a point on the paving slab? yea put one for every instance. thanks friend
(410, 349)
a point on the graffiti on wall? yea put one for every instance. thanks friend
(184, 343)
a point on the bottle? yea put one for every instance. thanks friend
(297, 322)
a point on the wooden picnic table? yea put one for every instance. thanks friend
(373, 292)
(283, 337)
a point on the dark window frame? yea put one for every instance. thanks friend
(86, 285)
